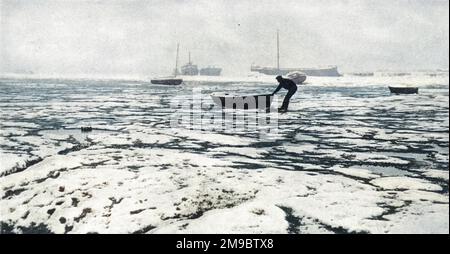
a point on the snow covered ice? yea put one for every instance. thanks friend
(348, 158)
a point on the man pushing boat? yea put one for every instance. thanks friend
(288, 85)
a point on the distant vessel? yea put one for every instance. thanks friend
(210, 71)
(167, 81)
(330, 71)
(396, 74)
(362, 74)
(189, 69)
(170, 81)
(404, 90)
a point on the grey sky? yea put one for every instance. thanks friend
(139, 37)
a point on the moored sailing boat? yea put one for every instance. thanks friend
(329, 71)
(170, 81)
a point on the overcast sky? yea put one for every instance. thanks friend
(68, 37)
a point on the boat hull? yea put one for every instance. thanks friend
(404, 90)
(229, 101)
(319, 72)
(168, 82)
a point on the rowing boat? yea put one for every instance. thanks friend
(404, 90)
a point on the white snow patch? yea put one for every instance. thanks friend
(440, 174)
(356, 172)
(408, 183)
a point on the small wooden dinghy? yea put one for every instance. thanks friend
(404, 90)
(242, 101)
(167, 81)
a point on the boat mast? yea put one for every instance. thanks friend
(176, 60)
(278, 50)
(189, 57)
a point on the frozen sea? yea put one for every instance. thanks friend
(349, 157)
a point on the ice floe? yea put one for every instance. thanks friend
(362, 162)
(406, 183)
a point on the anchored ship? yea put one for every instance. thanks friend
(362, 74)
(189, 69)
(330, 71)
(210, 71)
